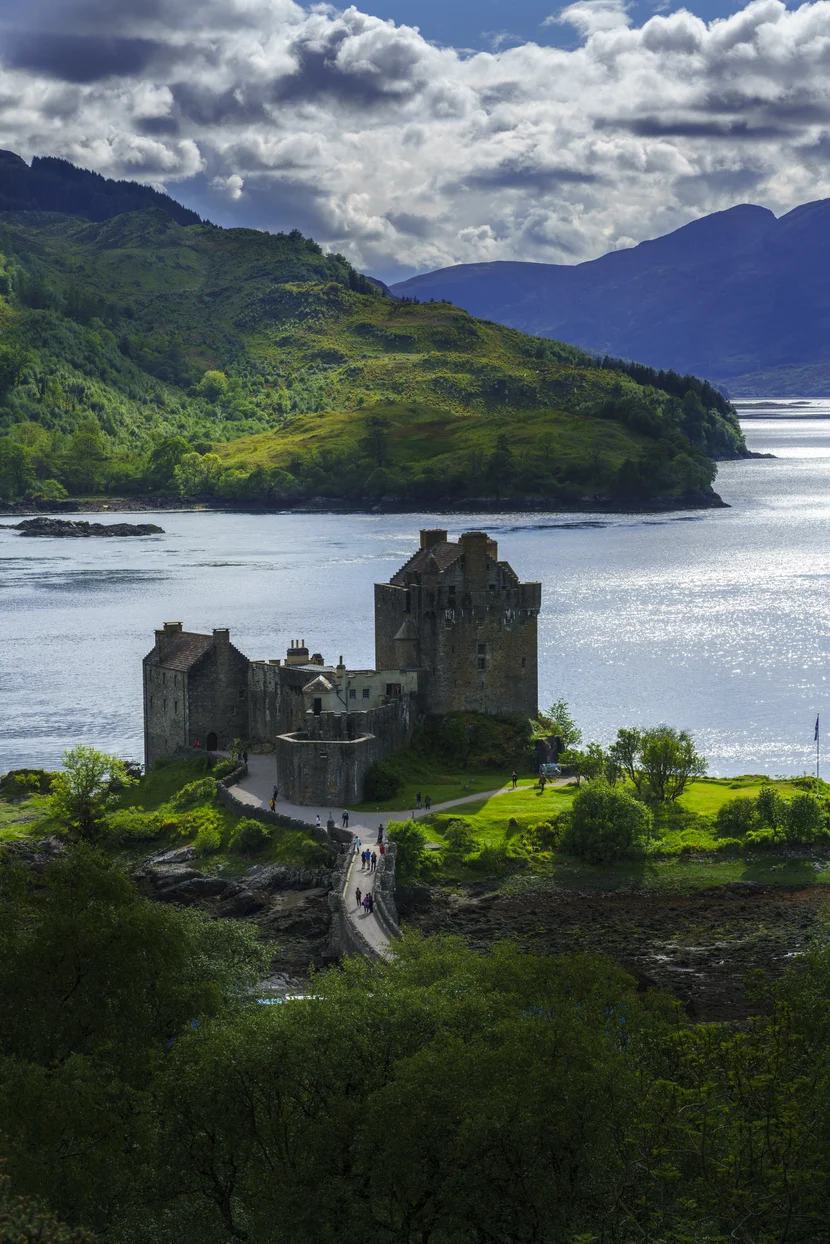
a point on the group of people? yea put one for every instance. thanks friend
(365, 901)
(427, 802)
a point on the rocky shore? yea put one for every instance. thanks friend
(64, 528)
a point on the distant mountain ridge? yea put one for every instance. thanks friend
(740, 296)
(53, 185)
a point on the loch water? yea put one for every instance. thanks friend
(717, 620)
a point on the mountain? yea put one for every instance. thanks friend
(140, 353)
(740, 297)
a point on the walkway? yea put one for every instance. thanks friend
(366, 922)
(256, 789)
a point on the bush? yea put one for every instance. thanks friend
(133, 825)
(494, 861)
(736, 817)
(803, 819)
(223, 769)
(605, 823)
(459, 834)
(410, 857)
(208, 839)
(190, 796)
(18, 783)
(382, 781)
(249, 837)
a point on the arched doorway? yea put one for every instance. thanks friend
(212, 742)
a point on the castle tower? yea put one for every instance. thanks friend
(462, 617)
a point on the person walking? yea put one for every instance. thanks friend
(374, 861)
(383, 848)
(272, 805)
(318, 822)
(244, 757)
(357, 844)
(362, 860)
(345, 819)
(358, 896)
(427, 802)
(371, 903)
(380, 833)
(514, 779)
(366, 901)
(418, 801)
(275, 793)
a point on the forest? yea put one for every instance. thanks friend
(448, 1096)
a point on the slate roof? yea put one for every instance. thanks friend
(182, 651)
(444, 553)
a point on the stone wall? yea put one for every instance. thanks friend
(327, 762)
(275, 700)
(166, 721)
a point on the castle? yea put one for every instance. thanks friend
(455, 631)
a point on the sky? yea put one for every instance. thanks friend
(415, 134)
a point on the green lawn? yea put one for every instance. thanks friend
(682, 857)
(441, 786)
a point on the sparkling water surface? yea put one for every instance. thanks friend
(717, 621)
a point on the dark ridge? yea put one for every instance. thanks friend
(54, 185)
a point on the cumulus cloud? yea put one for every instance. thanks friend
(407, 156)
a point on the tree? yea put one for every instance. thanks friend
(165, 457)
(410, 849)
(377, 439)
(590, 764)
(605, 823)
(558, 720)
(803, 819)
(659, 762)
(196, 474)
(81, 792)
(212, 385)
(17, 472)
(98, 983)
(771, 808)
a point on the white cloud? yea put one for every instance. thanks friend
(590, 16)
(398, 152)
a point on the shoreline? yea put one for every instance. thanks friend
(333, 505)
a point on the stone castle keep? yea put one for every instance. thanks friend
(455, 631)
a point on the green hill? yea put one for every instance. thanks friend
(139, 354)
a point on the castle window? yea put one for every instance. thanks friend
(451, 589)
(366, 693)
(482, 663)
(175, 706)
(164, 706)
(524, 662)
(482, 649)
(242, 694)
(492, 587)
(317, 705)
(352, 694)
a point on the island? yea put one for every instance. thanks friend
(78, 528)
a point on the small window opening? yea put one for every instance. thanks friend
(366, 693)
(317, 705)
(352, 694)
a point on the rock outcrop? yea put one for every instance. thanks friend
(66, 528)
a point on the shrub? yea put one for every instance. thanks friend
(605, 823)
(770, 807)
(736, 817)
(208, 838)
(410, 856)
(190, 796)
(382, 781)
(223, 769)
(803, 819)
(133, 825)
(459, 834)
(18, 783)
(250, 837)
(491, 860)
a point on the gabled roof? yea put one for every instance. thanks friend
(444, 554)
(182, 651)
(318, 684)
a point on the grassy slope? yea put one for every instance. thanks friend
(281, 320)
(500, 820)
